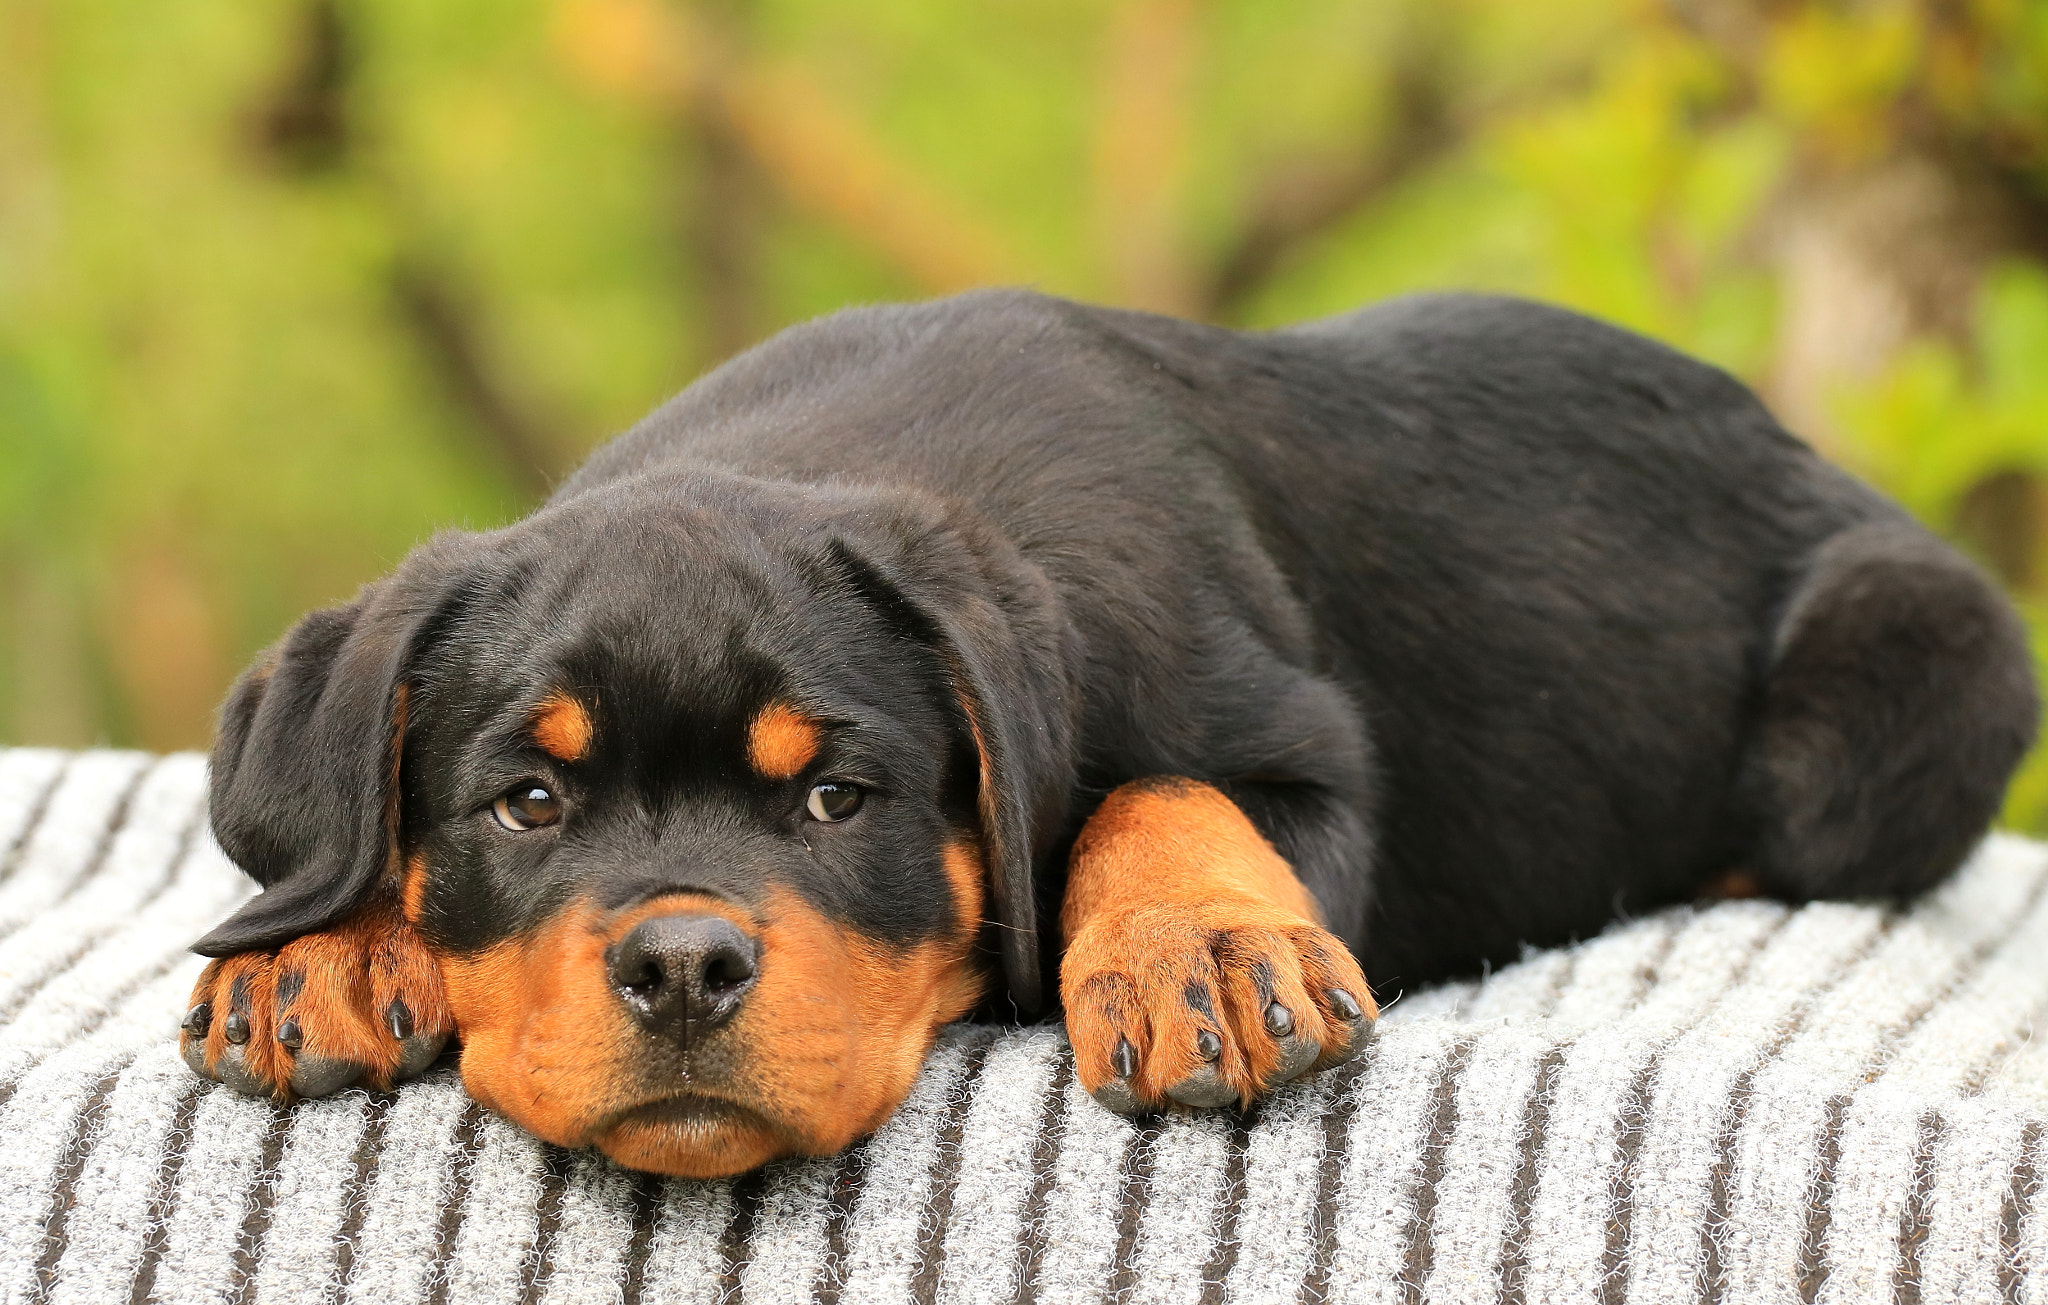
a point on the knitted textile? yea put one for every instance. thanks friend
(1749, 1102)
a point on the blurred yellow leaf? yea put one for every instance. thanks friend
(642, 50)
(1835, 71)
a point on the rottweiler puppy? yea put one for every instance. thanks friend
(1244, 675)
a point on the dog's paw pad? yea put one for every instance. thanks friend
(1297, 1051)
(362, 1003)
(320, 1076)
(1205, 1088)
(1204, 1005)
(1116, 1096)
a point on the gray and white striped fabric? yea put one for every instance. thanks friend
(1747, 1103)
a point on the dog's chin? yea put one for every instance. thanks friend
(692, 1136)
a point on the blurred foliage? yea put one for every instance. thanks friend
(287, 284)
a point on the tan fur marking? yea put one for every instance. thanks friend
(1151, 843)
(967, 873)
(1732, 884)
(562, 727)
(830, 1037)
(412, 893)
(1170, 887)
(781, 741)
(394, 761)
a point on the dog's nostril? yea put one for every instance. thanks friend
(727, 970)
(646, 983)
(683, 975)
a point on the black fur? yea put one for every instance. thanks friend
(1495, 619)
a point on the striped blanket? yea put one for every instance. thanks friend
(1745, 1103)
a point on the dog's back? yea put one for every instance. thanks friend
(1549, 561)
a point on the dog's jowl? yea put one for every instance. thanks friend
(1003, 652)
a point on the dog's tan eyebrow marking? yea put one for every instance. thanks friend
(562, 727)
(781, 741)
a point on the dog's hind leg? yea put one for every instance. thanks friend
(1898, 698)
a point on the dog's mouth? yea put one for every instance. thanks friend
(692, 1135)
(687, 1110)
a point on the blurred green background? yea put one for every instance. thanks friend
(287, 284)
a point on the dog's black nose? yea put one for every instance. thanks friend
(683, 975)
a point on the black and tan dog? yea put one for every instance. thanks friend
(697, 801)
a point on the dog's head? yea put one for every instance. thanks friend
(711, 794)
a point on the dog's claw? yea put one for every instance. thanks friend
(398, 1018)
(1279, 1020)
(1116, 1094)
(199, 1019)
(1362, 1033)
(1124, 1059)
(288, 1033)
(1344, 1004)
(237, 1028)
(1207, 1045)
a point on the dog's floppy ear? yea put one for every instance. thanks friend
(992, 622)
(304, 783)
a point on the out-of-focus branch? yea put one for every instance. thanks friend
(815, 153)
(721, 229)
(305, 127)
(1299, 203)
(1141, 138)
(447, 330)
(826, 161)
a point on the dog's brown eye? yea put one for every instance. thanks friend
(833, 801)
(527, 806)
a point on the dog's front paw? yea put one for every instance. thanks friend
(359, 1003)
(1206, 1004)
